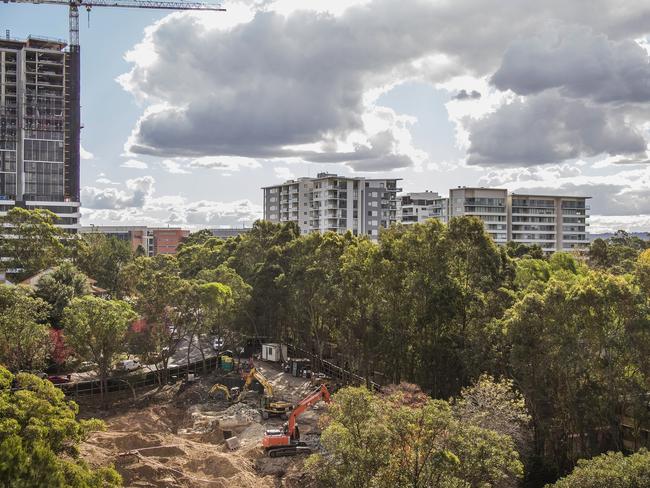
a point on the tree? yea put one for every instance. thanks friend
(197, 309)
(151, 285)
(377, 441)
(235, 307)
(59, 287)
(96, 329)
(520, 250)
(199, 237)
(102, 257)
(40, 435)
(30, 242)
(24, 338)
(498, 406)
(575, 359)
(611, 470)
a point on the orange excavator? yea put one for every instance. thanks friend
(286, 442)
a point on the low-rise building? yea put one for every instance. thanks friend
(225, 233)
(152, 241)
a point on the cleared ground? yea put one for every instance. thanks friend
(175, 437)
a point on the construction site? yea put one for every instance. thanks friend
(202, 433)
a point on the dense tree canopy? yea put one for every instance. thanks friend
(40, 435)
(371, 441)
(24, 339)
(29, 242)
(611, 470)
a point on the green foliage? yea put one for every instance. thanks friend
(611, 470)
(24, 339)
(520, 250)
(39, 437)
(96, 329)
(616, 254)
(576, 359)
(30, 242)
(376, 441)
(102, 257)
(497, 406)
(59, 287)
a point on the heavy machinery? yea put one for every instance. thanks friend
(229, 393)
(286, 442)
(269, 406)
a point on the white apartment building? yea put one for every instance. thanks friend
(555, 223)
(334, 203)
(418, 207)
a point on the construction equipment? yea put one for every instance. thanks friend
(73, 80)
(269, 406)
(286, 442)
(229, 393)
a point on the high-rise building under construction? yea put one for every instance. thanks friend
(39, 128)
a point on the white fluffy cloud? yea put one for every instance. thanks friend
(134, 164)
(288, 82)
(85, 154)
(133, 196)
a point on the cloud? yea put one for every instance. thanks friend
(287, 82)
(85, 154)
(579, 62)
(224, 163)
(465, 95)
(134, 164)
(283, 173)
(177, 211)
(136, 193)
(548, 128)
(174, 167)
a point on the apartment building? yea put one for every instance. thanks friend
(488, 204)
(555, 223)
(334, 203)
(39, 129)
(417, 207)
(153, 241)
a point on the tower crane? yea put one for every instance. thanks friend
(74, 51)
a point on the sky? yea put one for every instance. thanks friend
(186, 115)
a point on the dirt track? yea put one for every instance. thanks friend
(177, 439)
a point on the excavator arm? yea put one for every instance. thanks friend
(321, 394)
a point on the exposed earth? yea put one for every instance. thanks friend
(175, 437)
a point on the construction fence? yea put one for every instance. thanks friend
(135, 381)
(319, 365)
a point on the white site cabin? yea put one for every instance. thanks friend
(274, 352)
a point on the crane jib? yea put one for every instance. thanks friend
(161, 5)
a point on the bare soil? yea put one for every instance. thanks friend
(175, 437)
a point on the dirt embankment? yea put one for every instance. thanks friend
(177, 439)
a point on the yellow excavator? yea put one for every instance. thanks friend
(269, 405)
(229, 393)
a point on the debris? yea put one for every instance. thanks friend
(233, 443)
